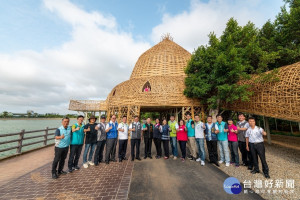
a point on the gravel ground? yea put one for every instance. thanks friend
(283, 159)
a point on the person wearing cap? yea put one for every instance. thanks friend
(77, 138)
(62, 142)
(111, 141)
(123, 138)
(90, 141)
(101, 140)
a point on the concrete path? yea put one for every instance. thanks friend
(173, 179)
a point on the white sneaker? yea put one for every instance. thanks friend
(202, 163)
(227, 164)
(91, 163)
(220, 161)
(198, 159)
(85, 165)
(174, 158)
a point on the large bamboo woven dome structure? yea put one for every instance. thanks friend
(161, 68)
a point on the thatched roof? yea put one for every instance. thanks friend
(162, 69)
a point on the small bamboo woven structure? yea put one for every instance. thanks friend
(161, 68)
(275, 99)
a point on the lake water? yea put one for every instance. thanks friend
(16, 125)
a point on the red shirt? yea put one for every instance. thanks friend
(182, 134)
(231, 135)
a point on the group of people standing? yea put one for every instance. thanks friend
(190, 135)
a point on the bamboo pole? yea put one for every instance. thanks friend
(267, 129)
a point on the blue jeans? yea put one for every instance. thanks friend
(223, 148)
(89, 148)
(233, 146)
(201, 150)
(173, 142)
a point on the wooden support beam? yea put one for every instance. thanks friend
(291, 127)
(267, 129)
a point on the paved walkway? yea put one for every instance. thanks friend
(33, 179)
(29, 177)
(176, 180)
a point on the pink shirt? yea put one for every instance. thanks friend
(231, 135)
(182, 134)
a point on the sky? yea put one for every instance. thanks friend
(52, 51)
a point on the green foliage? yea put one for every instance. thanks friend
(215, 70)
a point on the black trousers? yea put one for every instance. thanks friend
(212, 149)
(166, 147)
(258, 149)
(75, 151)
(182, 145)
(246, 155)
(157, 142)
(148, 145)
(60, 155)
(98, 157)
(122, 148)
(135, 143)
(110, 149)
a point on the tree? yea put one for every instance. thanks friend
(282, 37)
(5, 114)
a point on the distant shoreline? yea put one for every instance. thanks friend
(32, 118)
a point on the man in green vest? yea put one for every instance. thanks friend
(173, 139)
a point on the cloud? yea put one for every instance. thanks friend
(96, 58)
(191, 28)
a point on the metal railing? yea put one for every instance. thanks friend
(22, 137)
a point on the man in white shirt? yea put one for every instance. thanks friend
(199, 135)
(255, 144)
(123, 138)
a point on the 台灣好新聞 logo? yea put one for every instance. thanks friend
(232, 186)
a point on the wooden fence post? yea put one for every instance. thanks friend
(46, 136)
(21, 136)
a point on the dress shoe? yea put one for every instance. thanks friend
(150, 157)
(54, 176)
(145, 157)
(107, 162)
(125, 158)
(120, 160)
(254, 171)
(132, 159)
(267, 175)
(62, 172)
(139, 158)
